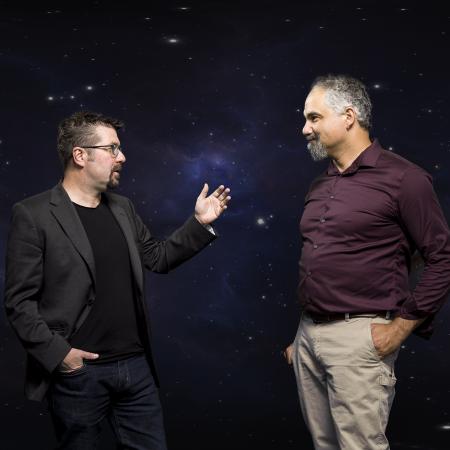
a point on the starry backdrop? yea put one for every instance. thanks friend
(214, 91)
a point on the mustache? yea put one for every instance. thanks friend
(117, 169)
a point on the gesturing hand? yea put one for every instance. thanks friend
(208, 209)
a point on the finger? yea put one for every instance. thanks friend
(225, 201)
(204, 191)
(218, 191)
(224, 194)
(88, 355)
(290, 358)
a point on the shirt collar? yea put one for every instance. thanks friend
(367, 158)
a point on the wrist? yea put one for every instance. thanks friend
(202, 222)
(403, 327)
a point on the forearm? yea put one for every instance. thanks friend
(404, 327)
(182, 244)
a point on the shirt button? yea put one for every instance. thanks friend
(322, 220)
(331, 196)
(309, 274)
(315, 246)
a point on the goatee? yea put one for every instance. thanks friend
(317, 151)
(114, 178)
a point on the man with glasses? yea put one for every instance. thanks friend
(74, 291)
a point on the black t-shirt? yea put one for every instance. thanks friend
(111, 328)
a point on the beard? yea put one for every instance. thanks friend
(316, 149)
(114, 179)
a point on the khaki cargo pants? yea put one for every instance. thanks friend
(346, 390)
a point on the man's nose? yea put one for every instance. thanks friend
(306, 129)
(121, 157)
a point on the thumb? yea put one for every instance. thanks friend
(204, 191)
(88, 355)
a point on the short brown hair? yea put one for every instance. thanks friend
(79, 130)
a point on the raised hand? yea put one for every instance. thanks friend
(208, 209)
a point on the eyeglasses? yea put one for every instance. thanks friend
(114, 149)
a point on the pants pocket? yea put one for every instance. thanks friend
(370, 338)
(72, 373)
(387, 375)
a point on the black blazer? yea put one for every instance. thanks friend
(50, 274)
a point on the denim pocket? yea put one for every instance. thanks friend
(74, 372)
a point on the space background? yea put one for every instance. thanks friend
(213, 92)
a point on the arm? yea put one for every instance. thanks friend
(162, 256)
(23, 287)
(424, 223)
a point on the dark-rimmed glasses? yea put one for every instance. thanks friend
(114, 149)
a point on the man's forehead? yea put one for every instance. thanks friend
(104, 131)
(315, 101)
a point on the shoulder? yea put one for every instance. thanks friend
(403, 167)
(36, 201)
(34, 206)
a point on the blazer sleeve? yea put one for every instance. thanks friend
(161, 256)
(23, 287)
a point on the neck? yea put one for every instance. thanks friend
(347, 152)
(80, 193)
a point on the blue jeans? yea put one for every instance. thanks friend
(122, 391)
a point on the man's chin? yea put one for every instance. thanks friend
(113, 184)
(114, 180)
(317, 151)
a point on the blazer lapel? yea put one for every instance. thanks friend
(124, 224)
(65, 213)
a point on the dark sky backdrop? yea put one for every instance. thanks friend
(214, 91)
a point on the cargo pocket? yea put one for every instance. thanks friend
(387, 376)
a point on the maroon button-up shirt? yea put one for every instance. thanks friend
(359, 229)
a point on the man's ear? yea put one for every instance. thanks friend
(79, 156)
(350, 118)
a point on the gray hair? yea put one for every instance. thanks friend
(79, 130)
(343, 91)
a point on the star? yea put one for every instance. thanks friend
(90, 88)
(260, 221)
(172, 40)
